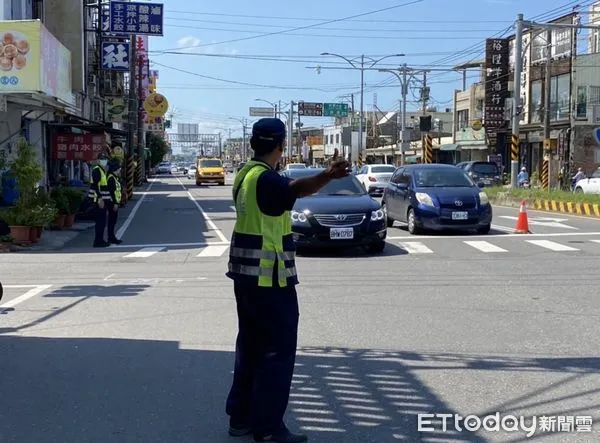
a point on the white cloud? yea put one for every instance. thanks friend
(189, 43)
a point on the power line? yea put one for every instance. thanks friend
(300, 28)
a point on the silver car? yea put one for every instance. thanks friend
(375, 178)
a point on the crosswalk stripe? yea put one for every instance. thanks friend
(415, 248)
(485, 246)
(232, 208)
(213, 251)
(145, 252)
(553, 246)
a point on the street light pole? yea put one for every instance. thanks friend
(362, 83)
(515, 139)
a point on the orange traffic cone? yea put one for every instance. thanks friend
(522, 226)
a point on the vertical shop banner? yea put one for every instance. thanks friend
(115, 56)
(497, 55)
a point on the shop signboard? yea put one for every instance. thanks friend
(496, 84)
(34, 61)
(136, 18)
(86, 147)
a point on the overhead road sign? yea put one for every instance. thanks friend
(309, 109)
(335, 109)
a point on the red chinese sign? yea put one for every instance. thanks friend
(77, 146)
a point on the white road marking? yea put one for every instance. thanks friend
(108, 277)
(502, 228)
(35, 290)
(415, 248)
(595, 241)
(543, 221)
(485, 246)
(207, 219)
(145, 252)
(553, 246)
(172, 245)
(121, 231)
(232, 208)
(584, 217)
(555, 234)
(213, 251)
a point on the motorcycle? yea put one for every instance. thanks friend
(524, 184)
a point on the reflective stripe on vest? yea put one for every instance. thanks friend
(118, 193)
(102, 185)
(262, 246)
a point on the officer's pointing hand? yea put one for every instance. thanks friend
(338, 169)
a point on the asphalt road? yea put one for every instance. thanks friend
(135, 343)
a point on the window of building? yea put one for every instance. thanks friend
(539, 49)
(561, 42)
(587, 95)
(337, 138)
(559, 97)
(462, 119)
(535, 103)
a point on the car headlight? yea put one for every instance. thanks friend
(483, 198)
(299, 217)
(377, 215)
(424, 199)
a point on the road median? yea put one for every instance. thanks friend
(561, 202)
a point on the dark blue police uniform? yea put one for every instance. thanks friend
(267, 339)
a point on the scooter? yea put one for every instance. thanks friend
(524, 184)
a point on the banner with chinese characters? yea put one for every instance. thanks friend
(136, 18)
(116, 110)
(115, 56)
(86, 147)
(496, 84)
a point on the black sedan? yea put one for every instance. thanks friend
(341, 214)
(436, 197)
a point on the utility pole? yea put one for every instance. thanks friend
(220, 148)
(290, 129)
(362, 96)
(278, 110)
(133, 103)
(547, 106)
(244, 147)
(140, 119)
(515, 139)
(403, 123)
(425, 93)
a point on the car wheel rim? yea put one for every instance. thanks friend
(411, 221)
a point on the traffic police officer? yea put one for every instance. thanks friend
(116, 197)
(262, 266)
(100, 196)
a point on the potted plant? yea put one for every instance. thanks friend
(5, 242)
(61, 202)
(18, 218)
(74, 198)
(44, 211)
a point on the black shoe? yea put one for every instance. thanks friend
(239, 429)
(283, 436)
(102, 244)
(116, 241)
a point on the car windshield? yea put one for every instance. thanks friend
(342, 186)
(211, 164)
(296, 166)
(382, 169)
(442, 178)
(486, 169)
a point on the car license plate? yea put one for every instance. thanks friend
(460, 216)
(341, 233)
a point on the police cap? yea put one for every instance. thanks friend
(269, 129)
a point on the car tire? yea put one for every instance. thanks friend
(484, 229)
(578, 190)
(388, 220)
(413, 229)
(198, 183)
(376, 248)
(222, 184)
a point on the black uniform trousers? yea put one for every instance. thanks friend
(112, 221)
(100, 217)
(265, 356)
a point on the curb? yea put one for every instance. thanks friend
(582, 209)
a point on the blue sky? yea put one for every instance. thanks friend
(222, 41)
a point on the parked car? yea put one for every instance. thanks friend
(164, 168)
(375, 178)
(486, 173)
(341, 214)
(191, 172)
(436, 197)
(590, 185)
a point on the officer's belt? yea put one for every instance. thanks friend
(259, 254)
(257, 271)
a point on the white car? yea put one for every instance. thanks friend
(590, 185)
(191, 173)
(294, 166)
(375, 178)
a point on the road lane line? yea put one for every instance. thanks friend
(485, 246)
(121, 231)
(556, 234)
(562, 214)
(232, 208)
(213, 251)
(172, 245)
(108, 277)
(415, 248)
(502, 228)
(145, 252)
(553, 246)
(207, 219)
(29, 294)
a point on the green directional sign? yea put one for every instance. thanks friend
(335, 109)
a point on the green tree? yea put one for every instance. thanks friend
(158, 147)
